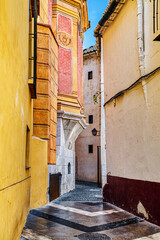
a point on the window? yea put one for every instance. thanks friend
(90, 75)
(90, 148)
(156, 19)
(27, 147)
(32, 71)
(69, 168)
(38, 6)
(90, 119)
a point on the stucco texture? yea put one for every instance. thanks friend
(132, 120)
(86, 163)
(133, 133)
(39, 170)
(16, 113)
(121, 51)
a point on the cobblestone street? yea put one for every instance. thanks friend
(81, 214)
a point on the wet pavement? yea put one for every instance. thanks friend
(84, 191)
(81, 214)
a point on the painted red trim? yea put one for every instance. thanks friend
(127, 193)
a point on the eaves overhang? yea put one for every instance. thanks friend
(108, 17)
(90, 50)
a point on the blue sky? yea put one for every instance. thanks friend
(95, 10)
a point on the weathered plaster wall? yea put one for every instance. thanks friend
(19, 185)
(132, 119)
(14, 209)
(133, 133)
(69, 126)
(15, 113)
(39, 170)
(121, 51)
(132, 123)
(86, 168)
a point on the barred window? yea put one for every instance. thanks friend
(156, 20)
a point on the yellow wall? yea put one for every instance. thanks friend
(14, 207)
(16, 109)
(43, 18)
(39, 171)
(15, 113)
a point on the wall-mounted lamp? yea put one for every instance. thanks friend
(95, 132)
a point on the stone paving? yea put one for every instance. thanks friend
(83, 192)
(81, 214)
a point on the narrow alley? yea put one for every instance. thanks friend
(81, 214)
(80, 119)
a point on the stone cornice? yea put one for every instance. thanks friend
(67, 11)
(74, 3)
(72, 116)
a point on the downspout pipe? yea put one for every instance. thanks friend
(35, 45)
(141, 43)
(140, 6)
(103, 127)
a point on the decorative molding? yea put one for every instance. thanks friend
(74, 3)
(72, 116)
(57, 7)
(65, 40)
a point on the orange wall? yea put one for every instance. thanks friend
(45, 106)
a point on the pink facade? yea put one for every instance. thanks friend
(50, 12)
(64, 24)
(65, 58)
(65, 71)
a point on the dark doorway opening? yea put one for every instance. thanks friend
(54, 186)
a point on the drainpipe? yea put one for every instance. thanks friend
(140, 5)
(141, 43)
(103, 129)
(35, 45)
